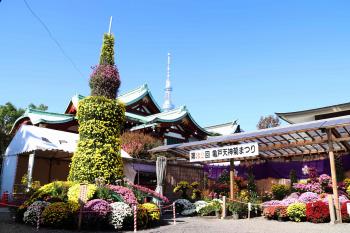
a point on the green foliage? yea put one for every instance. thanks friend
(297, 212)
(98, 151)
(211, 208)
(279, 191)
(237, 208)
(339, 168)
(107, 51)
(251, 182)
(54, 191)
(348, 190)
(293, 178)
(74, 192)
(224, 177)
(59, 215)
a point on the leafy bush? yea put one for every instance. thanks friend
(153, 212)
(59, 215)
(281, 212)
(348, 190)
(270, 212)
(51, 192)
(121, 215)
(317, 212)
(142, 217)
(279, 191)
(126, 194)
(32, 214)
(237, 208)
(182, 187)
(74, 192)
(96, 213)
(296, 212)
(211, 208)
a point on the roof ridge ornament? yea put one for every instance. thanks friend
(167, 105)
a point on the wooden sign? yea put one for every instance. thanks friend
(83, 193)
(225, 152)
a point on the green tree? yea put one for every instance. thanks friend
(101, 119)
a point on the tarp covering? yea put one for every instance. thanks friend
(277, 170)
(32, 138)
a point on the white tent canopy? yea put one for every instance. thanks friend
(31, 138)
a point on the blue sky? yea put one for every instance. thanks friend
(231, 59)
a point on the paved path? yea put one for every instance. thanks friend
(206, 225)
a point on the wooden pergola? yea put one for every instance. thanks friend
(311, 140)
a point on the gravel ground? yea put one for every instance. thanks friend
(207, 225)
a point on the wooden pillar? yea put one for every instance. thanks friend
(334, 176)
(232, 175)
(30, 169)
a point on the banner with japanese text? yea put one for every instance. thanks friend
(225, 152)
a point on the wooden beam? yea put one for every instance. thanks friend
(338, 135)
(334, 174)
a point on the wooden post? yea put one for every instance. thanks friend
(334, 176)
(331, 209)
(249, 209)
(232, 175)
(223, 215)
(30, 169)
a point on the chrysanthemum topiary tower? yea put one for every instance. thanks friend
(101, 119)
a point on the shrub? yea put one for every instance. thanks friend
(237, 208)
(293, 178)
(182, 187)
(126, 194)
(308, 197)
(317, 212)
(59, 215)
(96, 213)
(32, 214)
(51, 192)
(74, 192)
(211, 208)
(153, 212)
(142, 217)
(270, 212)
(296, 212)
(279, 191)
(121, 215)
(348, 190)
(281, 212)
